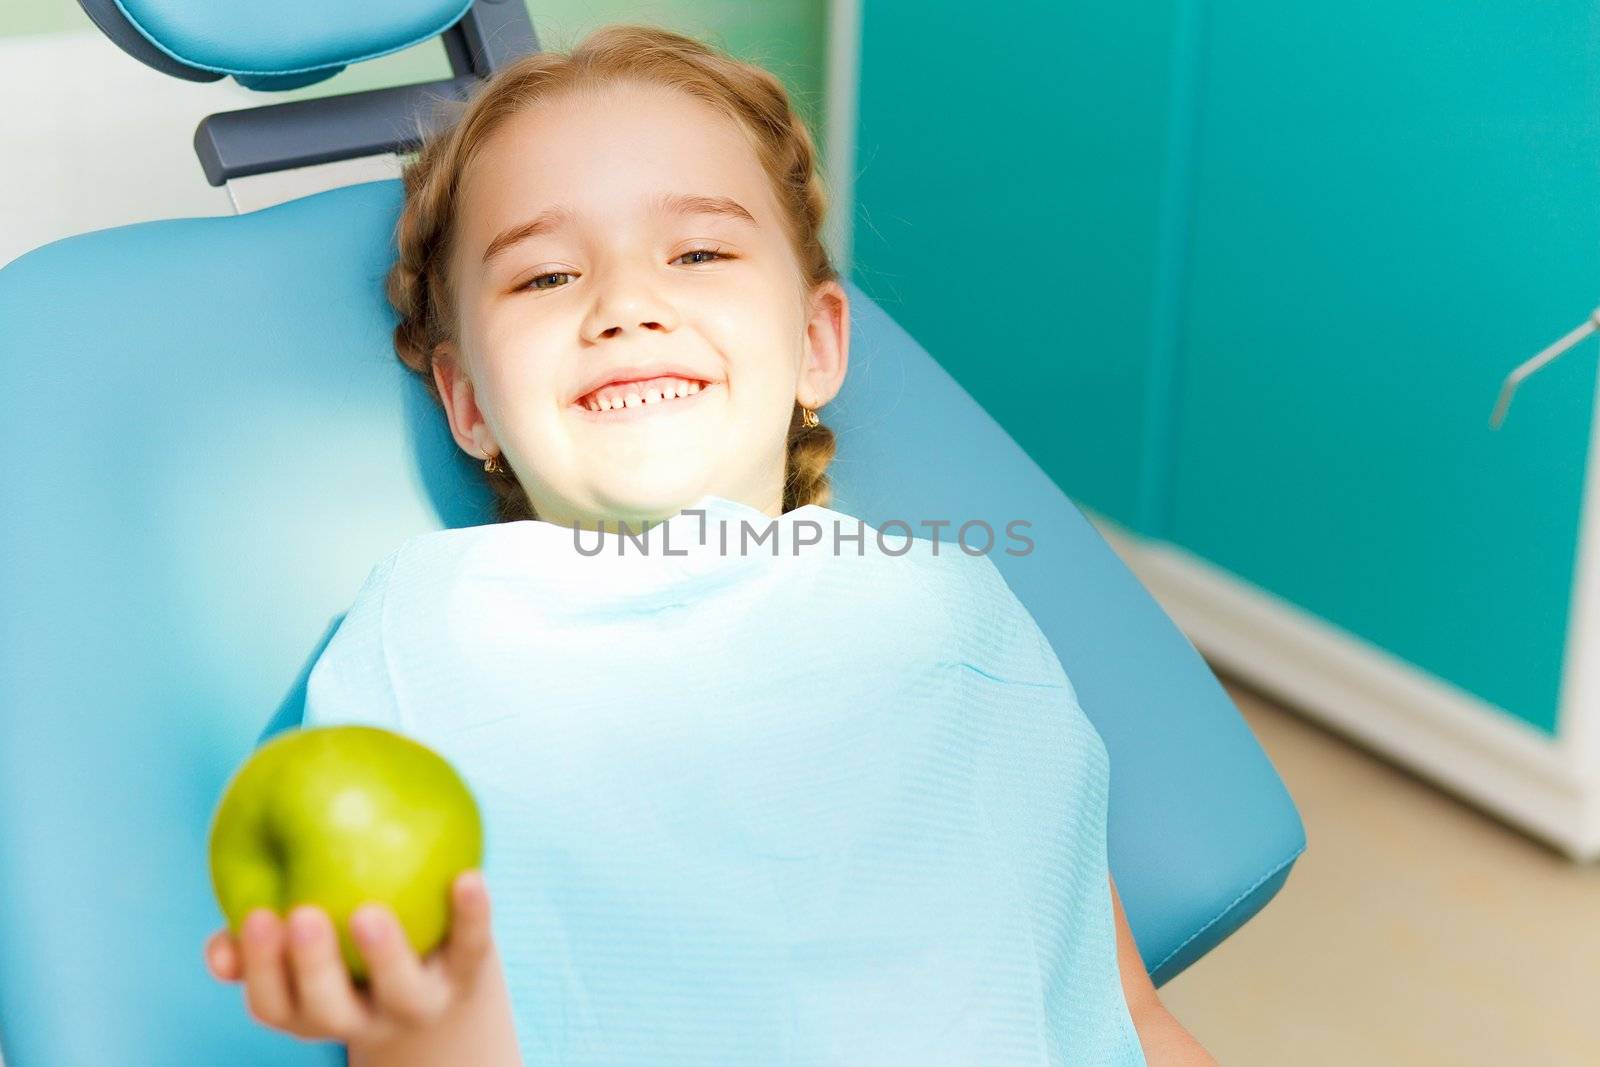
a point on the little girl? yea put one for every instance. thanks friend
(815, 801)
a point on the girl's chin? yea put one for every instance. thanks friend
(643, 497)
(610, 508)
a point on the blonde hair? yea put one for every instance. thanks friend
(418, 284)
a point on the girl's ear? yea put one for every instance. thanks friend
(467, 424)
(827, 346)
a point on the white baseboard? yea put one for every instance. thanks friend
(1472, 749)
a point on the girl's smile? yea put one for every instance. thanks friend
(628, 403)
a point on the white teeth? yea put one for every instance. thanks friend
(633, 399)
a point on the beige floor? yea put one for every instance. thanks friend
(1414, 929)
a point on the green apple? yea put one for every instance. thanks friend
(337, 816)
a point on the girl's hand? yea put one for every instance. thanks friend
(295, 980)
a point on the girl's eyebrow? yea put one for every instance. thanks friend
(553, 218)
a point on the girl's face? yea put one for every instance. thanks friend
(630, 235)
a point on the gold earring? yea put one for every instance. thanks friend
(492, 465)
(808, 418)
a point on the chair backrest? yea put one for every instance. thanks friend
(208, 441)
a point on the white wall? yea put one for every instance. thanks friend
(98, 140)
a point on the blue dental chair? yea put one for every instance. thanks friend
(208, 441)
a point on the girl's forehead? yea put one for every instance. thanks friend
(605, 164)
(623, 139)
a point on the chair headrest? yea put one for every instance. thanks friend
(271, 44)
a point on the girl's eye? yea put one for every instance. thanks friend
(706, 252)
(714, 254)
(533, 283)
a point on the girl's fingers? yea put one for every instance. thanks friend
(470, 934)
(222, 957)
(329, 1006)
(302, 986)
(266, 980)
(401, 990)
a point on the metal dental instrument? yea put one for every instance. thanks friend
(1515, 377)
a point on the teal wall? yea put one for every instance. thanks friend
(1247, 278)
(1007, 214)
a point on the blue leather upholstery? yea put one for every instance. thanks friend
(207, 443)
(280, 37)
